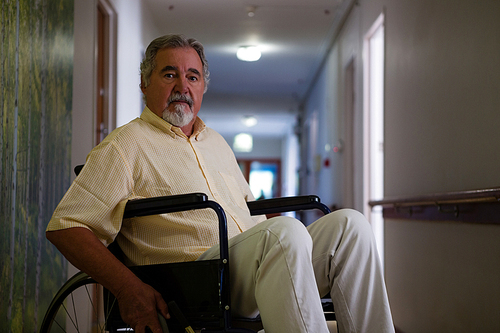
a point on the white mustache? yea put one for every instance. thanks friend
(176, 97)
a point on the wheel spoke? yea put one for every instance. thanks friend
(70, 304)
(75, 322)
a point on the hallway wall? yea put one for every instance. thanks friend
(442, 110)
(442, 115)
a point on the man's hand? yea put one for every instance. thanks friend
(139, 307)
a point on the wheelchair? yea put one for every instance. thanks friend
(200, 289)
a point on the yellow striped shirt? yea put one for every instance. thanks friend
(148, 157)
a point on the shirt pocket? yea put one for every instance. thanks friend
(235, 193)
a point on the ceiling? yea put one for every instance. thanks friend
(294, 36)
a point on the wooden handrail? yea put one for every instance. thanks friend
(475, 206)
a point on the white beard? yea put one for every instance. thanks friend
(180, 117)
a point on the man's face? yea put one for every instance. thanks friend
(176, 87)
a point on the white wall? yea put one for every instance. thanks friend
(327, 100)
(83, 80)
(83, 95)
(130, 45)
(443, 83)
(442, 110)
(129, 53)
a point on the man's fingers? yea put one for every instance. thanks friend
(140, 329)
(162, 306)
(140, 308)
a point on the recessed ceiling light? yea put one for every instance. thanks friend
(249, 121)
(248, 53)
(243, 142)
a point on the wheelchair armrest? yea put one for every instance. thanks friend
(178, 203)
(164, 204)
(287, 204)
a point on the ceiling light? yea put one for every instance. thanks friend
(243, 142)
(251, 10)
(249, 121)
(248, 53)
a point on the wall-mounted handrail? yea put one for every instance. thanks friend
(472, 196)
(475, 206)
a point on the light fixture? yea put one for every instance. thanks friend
(251, 10)
(248, 53)
(249, 121)
(243, 142)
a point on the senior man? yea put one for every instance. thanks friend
(169, 150)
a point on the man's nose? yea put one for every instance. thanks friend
(181, 85)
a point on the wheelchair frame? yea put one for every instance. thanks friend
(176, 203)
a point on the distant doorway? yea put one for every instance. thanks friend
(263, 176)
(374, 127)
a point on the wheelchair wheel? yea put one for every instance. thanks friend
(77, 307)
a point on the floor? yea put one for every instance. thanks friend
(332, 327)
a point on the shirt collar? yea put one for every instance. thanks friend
(151, 118)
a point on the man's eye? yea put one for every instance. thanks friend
(169, 75)
(193, 78)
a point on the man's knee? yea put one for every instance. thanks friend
(289, 231)
(353, 220)
(345, 221)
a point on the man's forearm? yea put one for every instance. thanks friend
(84, 250)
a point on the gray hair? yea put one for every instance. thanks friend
(171, 41)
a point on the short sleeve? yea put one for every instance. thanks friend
(96, 200)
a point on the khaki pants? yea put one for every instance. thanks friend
(281, 269)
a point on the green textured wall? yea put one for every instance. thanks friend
(36, 68)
